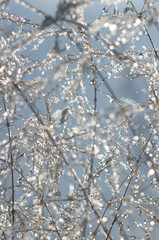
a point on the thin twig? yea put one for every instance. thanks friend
(147, 33)
(10, 158)
(72, 171)
(132, 174)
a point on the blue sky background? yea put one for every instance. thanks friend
(122, 88)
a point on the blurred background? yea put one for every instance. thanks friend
(122, 87)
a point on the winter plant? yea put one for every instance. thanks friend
(79, 122)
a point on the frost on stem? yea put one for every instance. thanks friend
(79, 123)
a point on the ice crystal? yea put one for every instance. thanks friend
(79, 122)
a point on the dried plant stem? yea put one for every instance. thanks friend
(11, 162)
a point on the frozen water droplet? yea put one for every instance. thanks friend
(104, 11)
(91, 82)
(111, 99)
